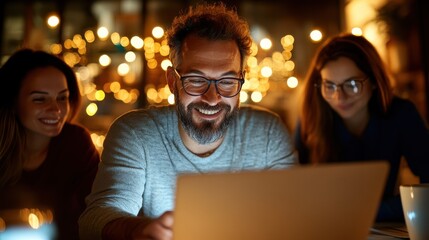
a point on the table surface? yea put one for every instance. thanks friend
(388, 230)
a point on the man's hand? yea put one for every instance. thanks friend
(158, 229)
(140, 228)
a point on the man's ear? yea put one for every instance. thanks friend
(171, 78)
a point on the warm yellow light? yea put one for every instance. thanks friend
(149, 55)
(125, 41)
(277, 57)
(115, 38)
(265, 43)
(165, 64)
(156, 47)
(264, 85)
(100, 95)
(266, 72)
(68, 43)
(84, 73)
(151, 94)
(98, 140)
(157, 32)
(243, 96)
(102, 33)
(130, 56)
(56, 48)
(89, 88)
(292, 82)
(123, 69)
(53, 21)
(130, 78)
(89, 36)
(149, 42)
(256, 96)
(77, 39)
(122, 95)
(357, 31)
(164, 50)
(104, 60)
(252, 62)
(316, 35)
(289, 65)
(170, 99)
(253, 49)
(115, 87)
(286, 55)
(134, 93)
(91, 109)
(152, 63)
(287, 40)
(137, 42)
(33, 221)
(165, 92)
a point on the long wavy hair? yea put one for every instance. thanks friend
(316, 116)
(213, 21)
(12, 74)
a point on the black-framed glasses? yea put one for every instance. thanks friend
(351, 87)
(196, 85)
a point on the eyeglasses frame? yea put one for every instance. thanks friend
(340, 86)
(215, 81)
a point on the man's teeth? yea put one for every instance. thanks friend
(208, 112)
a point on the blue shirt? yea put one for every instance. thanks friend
(143, 154)
(401, 132)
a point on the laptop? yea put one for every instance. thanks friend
(328, 201)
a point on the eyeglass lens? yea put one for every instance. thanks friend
(350, 87)
(196, 85)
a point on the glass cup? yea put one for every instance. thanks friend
(27, 223)
(415, 203)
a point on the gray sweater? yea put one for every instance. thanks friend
(143, 154)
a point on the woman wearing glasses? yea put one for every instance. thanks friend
(349, 113)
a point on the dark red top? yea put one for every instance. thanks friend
(65, 178)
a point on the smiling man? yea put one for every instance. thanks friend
(205, 131)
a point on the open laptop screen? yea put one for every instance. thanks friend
(330, 201)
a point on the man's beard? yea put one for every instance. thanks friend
(205, 132)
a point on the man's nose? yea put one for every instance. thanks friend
(212, 95)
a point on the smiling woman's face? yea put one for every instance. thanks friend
(337, 72)
(43, 101)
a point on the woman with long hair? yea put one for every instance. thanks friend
(43, 154)
(349, 113)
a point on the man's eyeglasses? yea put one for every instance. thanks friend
(195, 85)
(352, 87)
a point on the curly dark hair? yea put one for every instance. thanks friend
(213, 21)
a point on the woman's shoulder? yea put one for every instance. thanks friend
(403, 111)
(73, 134)
(401, 106)
(71, 129)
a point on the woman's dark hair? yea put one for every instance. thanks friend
(12, 75)
(21, 63)
(317, 117)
